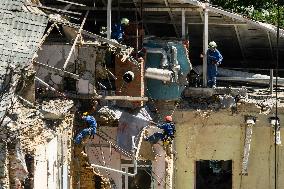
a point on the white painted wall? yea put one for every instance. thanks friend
(40, 171)
(56, 54)
(113, 159)
(49, 173)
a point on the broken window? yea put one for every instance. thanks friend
(214, 174)
(142, 180)
(69, 84)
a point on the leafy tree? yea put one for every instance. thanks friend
(261, 10)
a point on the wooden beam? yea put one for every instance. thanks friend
(144, 9)
(72, 3)
(57, 70)
(240, 42)
(54, 9)
(101, 97)
(172, 18)
(76, 39)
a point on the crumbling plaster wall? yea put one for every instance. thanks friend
(219, 135)
(99, 152)
(56, 54)
(48, 141)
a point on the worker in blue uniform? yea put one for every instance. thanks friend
(167, 135)
(91, 130)
(214, 59)
(117, 31)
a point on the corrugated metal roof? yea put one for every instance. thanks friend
(11, 4)
(21, 33)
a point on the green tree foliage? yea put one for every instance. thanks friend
(261, 10)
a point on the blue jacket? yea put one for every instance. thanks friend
(90, 120)
(117, 32)
(169, 128)
(214, 56)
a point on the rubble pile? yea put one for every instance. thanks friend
(32, 126)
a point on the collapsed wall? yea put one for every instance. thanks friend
(37, 137)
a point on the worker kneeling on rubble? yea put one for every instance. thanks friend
(168, 132)
(91, 130)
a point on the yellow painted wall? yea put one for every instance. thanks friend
(220, 135)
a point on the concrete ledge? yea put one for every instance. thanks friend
(208, 92)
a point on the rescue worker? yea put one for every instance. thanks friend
(117, 31)
(91, 130)
(167, 135)
(214, 59)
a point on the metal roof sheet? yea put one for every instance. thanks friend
(11, 4)
(21, 33)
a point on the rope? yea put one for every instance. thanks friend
(103, 157)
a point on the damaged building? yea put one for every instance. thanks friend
(62, 62)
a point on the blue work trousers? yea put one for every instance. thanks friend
(211, 75)
(85, 132)
(154, 139)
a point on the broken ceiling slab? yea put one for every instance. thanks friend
(55, 109)
(208, 92)
(108, 116)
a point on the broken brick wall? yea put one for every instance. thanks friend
(4, 171)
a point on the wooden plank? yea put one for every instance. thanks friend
(101, 97)
(76, 39)
(58, 71)
(72, 3)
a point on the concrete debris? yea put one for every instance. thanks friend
(55, 109)
(108, 116)
(227, 101)
(28, 124)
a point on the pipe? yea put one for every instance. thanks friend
(109, 19)
(134, 148)
(158, 74)
(164, 61)
(175, 65)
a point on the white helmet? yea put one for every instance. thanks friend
(212, 44)
(124, 21)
